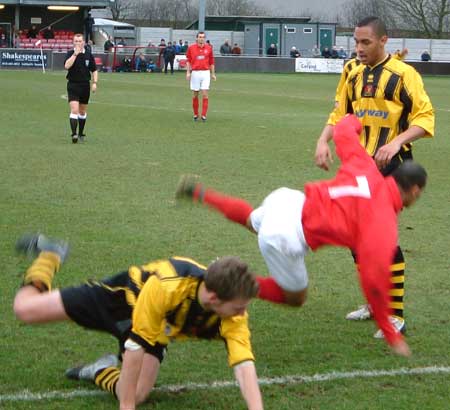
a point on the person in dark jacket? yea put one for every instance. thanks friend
(272, 51)
(169, 57)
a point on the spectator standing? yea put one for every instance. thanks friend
(236, 50)
(109, 44)
(89, 45)
(122, 42)
(89, 27)
(200, 69)
(161, 47)
(225, 48)
(425, 56)
(272, 51)
(169, 57)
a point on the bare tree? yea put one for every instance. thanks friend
(355, 10)
(177, 12)
(429, 16)
(121, 9)
(234, 8)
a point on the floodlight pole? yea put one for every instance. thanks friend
(201, 15)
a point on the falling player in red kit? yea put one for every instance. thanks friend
(200, 70)
(356, 209)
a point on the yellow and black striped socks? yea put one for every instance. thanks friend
(397, 291)
(40, 273)
(107, 379)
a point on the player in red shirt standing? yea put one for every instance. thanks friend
(200, 70)
(356, 209)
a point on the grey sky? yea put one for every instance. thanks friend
(318, 8)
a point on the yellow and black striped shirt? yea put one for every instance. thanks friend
(348, 67)
(388, 99)
(164, 298)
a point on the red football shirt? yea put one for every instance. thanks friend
(200, 58)
(358, 209)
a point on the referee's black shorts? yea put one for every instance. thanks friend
(102, 306)
(78, 92)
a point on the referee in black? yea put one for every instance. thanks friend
(80, 63)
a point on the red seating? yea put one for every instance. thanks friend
(98, 61)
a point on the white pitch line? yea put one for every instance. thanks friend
(180, 109)
(26, 395)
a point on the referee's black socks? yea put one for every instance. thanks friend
(73, 123)
(81, 123)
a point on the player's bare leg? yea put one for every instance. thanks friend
(34, 303)
(32, 306)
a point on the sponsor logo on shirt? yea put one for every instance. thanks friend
(372, 113)
(200, 57)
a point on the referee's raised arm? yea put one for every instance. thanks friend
(71, 60)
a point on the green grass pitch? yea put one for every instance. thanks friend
(112, 197)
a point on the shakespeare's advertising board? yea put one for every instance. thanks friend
(22, 58)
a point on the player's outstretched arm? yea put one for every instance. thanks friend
(245, 374)
(323, 156)
(401, 348)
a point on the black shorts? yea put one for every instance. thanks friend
(396, 161)
(78, 92)
(96, 305)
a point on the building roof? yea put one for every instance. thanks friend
(80, 3)
(107, 22)
(248, 19)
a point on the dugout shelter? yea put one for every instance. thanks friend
(63, 15)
